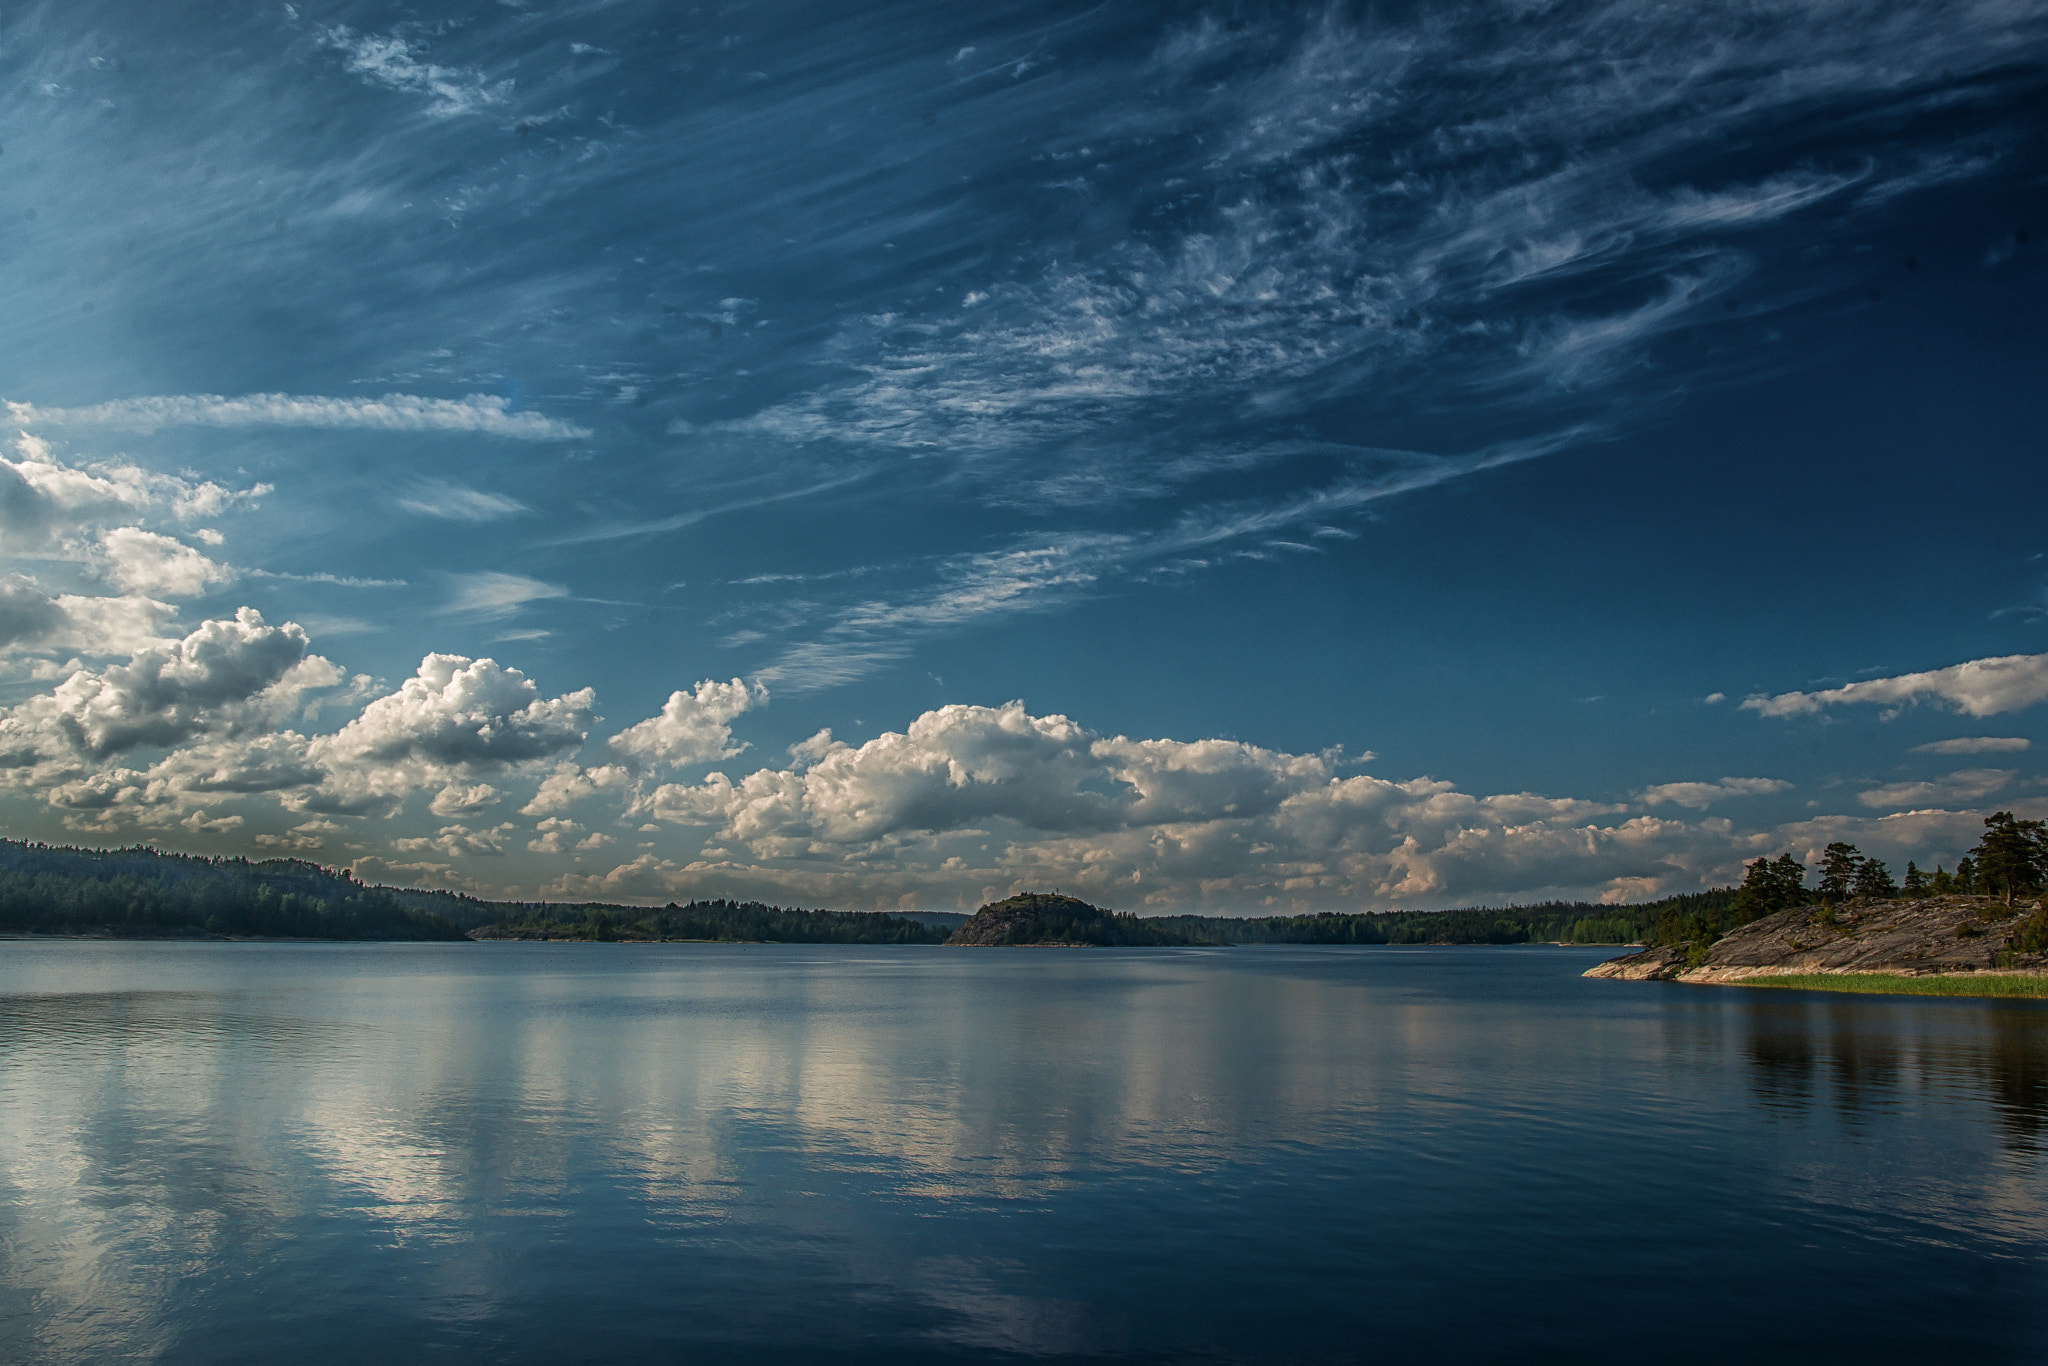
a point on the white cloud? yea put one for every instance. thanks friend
(1699, 796)
(482, 413)
(490, 594)
(979, 794)
(555, 835)
(1980, 687)
(459, 841)
(304, 838)
(227, 677)
(394, 62)
(110, 626)
(1976, 744)
(569, 784)
(455, 503)
(692, 727)
(42, 498)
(1959, 788)
(455, 720)
(464, 799)
(153, 565)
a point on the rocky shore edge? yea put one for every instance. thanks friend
(1945, 935)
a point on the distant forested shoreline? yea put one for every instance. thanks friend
(142, 892)
(146, 893)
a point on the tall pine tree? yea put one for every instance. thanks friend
(2012, 856)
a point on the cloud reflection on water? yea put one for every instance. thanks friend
(901, 1132)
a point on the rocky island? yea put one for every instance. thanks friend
(1969, 942)
(1048, 920)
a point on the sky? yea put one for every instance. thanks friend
(1232, 459)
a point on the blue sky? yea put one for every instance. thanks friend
(1209, 459)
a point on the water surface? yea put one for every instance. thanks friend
(543, 1153)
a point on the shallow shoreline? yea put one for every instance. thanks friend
(1991, 985)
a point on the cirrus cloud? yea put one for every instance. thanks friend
(486, 414)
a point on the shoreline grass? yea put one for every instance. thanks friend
(2020, 985)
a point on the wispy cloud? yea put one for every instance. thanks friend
(490, 594)
(394, 62)
(456, 503)
(1043, 573)
(483, 413)
(1977, 744)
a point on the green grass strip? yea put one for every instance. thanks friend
(1898, 984)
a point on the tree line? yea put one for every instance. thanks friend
(717, 921)
(146, 892)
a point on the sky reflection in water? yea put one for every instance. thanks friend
(547, 1152)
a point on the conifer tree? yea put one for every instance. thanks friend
(1769, 885)
(1873, 881)
(2012, 856)
(1915, 885)
(1837, 871)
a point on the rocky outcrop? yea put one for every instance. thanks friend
(1938, 934)
(1651, 965)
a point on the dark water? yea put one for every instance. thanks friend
(544, 1153)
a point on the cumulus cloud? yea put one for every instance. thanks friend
(455, 719)
(28, 616)
(1699, 796)
(569, 784)
(1979, 687)
(557, 835)
(552, 835)
(1976, 744)
(967, 793)
(692, 727)
(227, 676)
(486, 414)
(1961, 787)
(459, 841)
(304, 838)
(43, 499)
(154, 565)
(463, 799)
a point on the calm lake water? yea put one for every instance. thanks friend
(546, 1153)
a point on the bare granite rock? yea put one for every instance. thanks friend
(1935, 934)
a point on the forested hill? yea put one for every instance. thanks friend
(146, 893)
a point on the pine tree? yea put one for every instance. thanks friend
(1873, 881)
(1915, 885)
(2012, 856)
(1942, 884)
(1837, 871)
(1769, 885)
(1791, 876)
